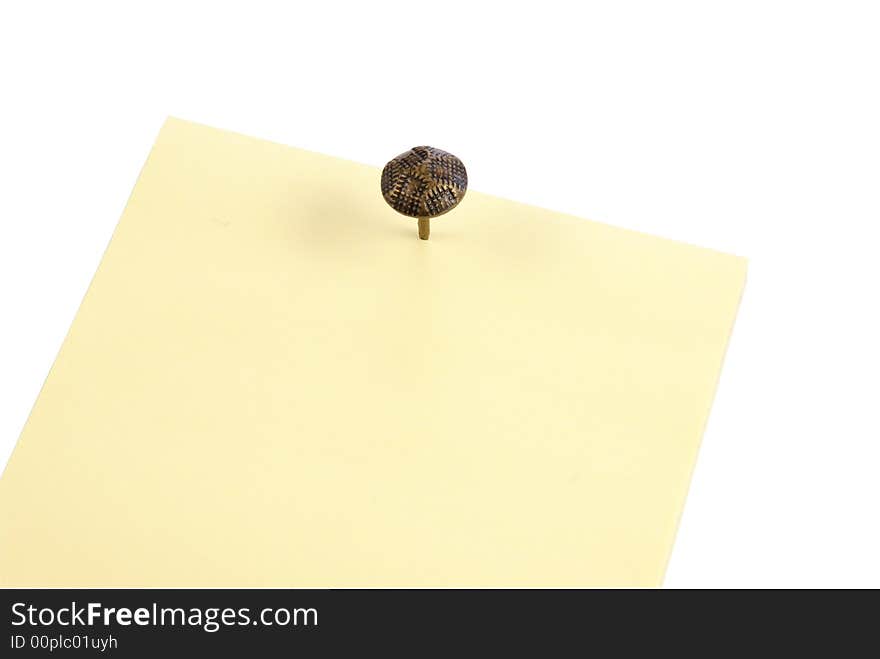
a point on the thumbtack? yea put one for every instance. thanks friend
(423, 183)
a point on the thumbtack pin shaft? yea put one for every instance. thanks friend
(424, 227)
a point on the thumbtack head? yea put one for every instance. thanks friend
(423, 183)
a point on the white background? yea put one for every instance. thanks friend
(748, 127)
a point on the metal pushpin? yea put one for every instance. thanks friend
(423, 183)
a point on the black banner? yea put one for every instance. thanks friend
(129, 622)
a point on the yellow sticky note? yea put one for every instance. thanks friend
(273, 382)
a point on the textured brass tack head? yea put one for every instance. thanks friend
(423, 183)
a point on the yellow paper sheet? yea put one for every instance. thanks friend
(272, 382)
